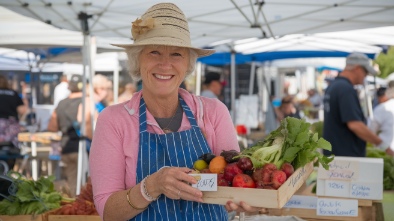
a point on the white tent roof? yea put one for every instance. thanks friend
(305, 42)
(212, 21)
(21, 32)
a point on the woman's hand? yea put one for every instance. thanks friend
(242, 207)
(175, 183)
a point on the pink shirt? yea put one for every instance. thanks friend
(114, 151)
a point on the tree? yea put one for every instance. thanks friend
(386, 62)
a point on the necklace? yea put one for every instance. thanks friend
(166, 129)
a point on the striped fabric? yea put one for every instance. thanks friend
(179, 149)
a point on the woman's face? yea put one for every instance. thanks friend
(163, 68)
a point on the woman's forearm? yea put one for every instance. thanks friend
(118, 208)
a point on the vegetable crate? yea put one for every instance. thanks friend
(22, 218)
(261, 197)
(368, 210)
(73, 218)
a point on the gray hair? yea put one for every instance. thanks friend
(133, 54)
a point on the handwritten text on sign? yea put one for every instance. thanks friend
(341, 170)
(296, 177)
(302, 202)
(337, 188)
(336, 207)
(206, 181)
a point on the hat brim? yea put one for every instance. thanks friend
(371, 70)
(200, 52)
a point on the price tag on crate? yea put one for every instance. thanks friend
(206, 181)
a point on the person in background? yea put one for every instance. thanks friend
(380, 96)
(109, 99)
(11, 109)
(287, 109)
(344, 121)
(65, 119)
(212, 85)
(382, 122)
(143, 149)
(61, 90)
(101, 89)
(130, 89)
(314, 98)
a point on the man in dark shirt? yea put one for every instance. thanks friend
(65, 119)
(344, 122)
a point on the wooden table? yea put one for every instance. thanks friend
(34, 138)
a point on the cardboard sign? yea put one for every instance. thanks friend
(337, 188)
(206, 181)
(363, 190)
(340, 170)
(302, 202)
(337, 207)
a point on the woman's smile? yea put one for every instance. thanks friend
(163, 77)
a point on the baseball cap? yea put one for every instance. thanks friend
(75, 83)
(362, 60)
(212, 76)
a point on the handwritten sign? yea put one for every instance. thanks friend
(340, 170)
(337, 188)
(336, 207)
(296, 177)
(302, 202)
(364, 190)
(206, 181)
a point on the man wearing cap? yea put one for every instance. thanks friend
(344, 122)
(212, 84)
(65, 119)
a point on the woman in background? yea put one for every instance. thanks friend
(11, 109)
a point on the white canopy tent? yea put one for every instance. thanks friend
(212, 21)
(300, 42)
(21, 32)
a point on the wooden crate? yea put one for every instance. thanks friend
(73, 218)
(261, 197)
(22, 218)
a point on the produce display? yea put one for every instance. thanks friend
(29, 197)
(270, 162)
(388, 166)
(83, 205)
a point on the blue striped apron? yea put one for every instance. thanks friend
(178, 149)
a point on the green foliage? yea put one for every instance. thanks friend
(388, 167)
(386, 63)
(31, 197)
(292, 142)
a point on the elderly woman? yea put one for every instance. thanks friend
(143, 149)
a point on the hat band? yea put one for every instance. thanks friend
(174, 37)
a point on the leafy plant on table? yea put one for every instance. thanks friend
(31, 197)
(291, 142)
(388, 166)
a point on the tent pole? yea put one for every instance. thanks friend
(115, 83)
(83, 17)
(82, 143)
(252, 77)
(233, 85)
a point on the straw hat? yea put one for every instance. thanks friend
(163, 24)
